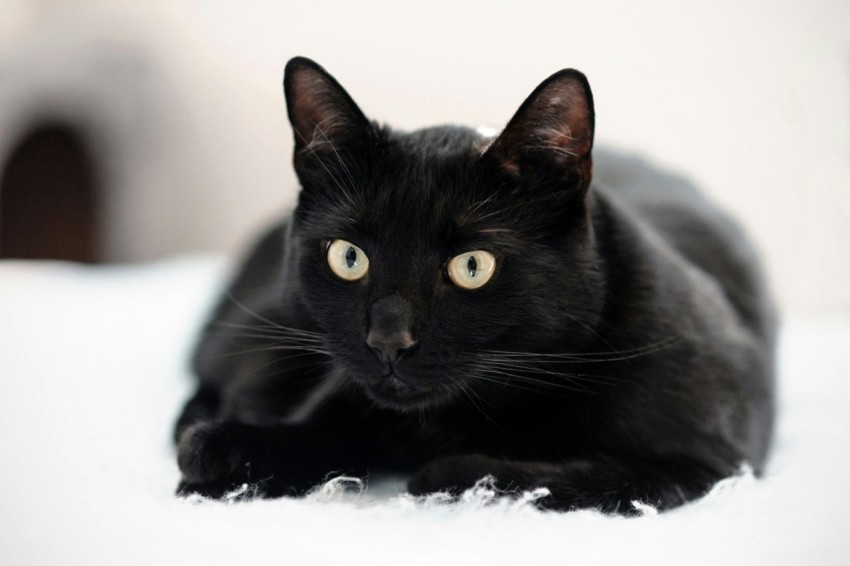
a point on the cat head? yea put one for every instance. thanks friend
(420, 253)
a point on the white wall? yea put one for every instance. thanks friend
(750, 99)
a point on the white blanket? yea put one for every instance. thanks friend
(93, 371)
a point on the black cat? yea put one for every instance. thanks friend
(451, 306)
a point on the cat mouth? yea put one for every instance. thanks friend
(393, 390)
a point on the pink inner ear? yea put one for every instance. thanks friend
(556, 123)
(559, 120)
(558, 140)
(320, 110)
(313, 117)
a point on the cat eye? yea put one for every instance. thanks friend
(471, 270)
(347, 261)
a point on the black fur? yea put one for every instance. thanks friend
(622, 350)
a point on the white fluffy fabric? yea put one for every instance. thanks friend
(93, 371)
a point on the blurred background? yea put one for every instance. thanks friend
(132, 131)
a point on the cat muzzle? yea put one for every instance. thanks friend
(389, 335)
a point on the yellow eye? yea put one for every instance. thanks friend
(347, 261)
(471, 270)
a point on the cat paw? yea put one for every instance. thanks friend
(234, 460)
(451, 474)
(211, 454)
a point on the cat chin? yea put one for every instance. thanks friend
(400, 396)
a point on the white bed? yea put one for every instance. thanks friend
(93, 369)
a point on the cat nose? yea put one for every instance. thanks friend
(390, 347)
(389, 334)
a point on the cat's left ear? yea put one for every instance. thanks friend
(323, 115)
(549, 140)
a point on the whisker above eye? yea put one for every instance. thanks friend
(341, 162)
(311, 147)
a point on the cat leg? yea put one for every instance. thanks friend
(606, 483)
(216, 457)
(203, 405)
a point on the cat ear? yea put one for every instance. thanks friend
(550, 137)
(322, 114)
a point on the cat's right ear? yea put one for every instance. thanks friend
(548, 141)
(324, 117)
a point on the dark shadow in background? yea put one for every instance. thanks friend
(49, 194)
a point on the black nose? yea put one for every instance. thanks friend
(389, 334)
(390, 347)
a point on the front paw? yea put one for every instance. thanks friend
(213, 459)
(454, 475)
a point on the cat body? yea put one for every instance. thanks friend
(491, 311)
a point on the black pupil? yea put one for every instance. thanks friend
(472, 265)
(350, 257)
